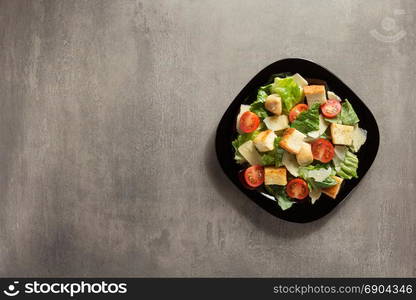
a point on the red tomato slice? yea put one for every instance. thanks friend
(249, 122)
(297, 188)
(331, 108)
(254, 176)
(295, 111)
(322, 150)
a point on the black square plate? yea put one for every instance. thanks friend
(226, 133)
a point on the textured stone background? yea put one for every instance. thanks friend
(107, 120)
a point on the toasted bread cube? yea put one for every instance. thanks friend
(292, 140)
(273, 175)
(300, 81)
(315, 94)
(265, 140)
(333, 190)
(277, 123)
(305, 156)
(273, 104)
(341, 134)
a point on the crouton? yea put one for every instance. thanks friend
(277, 123)
(341, 134)
(305, 156)
(265, 140)
(315, 94)
(273, 175)
(292, 140)
(273, 104)
(333, 190)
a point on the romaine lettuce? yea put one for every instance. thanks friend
(312, 135)
(318, 176)
(347, 168)
(279, 192)
(328, 182)
(315, 187)
(348, 115)
(288, 90)
(257, 106)
(336, 119)
(263, 92)
(274, 157)
(308, 120)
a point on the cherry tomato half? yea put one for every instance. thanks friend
(249, 122)
(322, 150)
(254, 176)
(297, 188)
(331, 108)
(295, 111)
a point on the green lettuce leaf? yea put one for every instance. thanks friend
(279, 192)
(328, 182)
(308, 120)
(288, 90)
(267, 159)
(257, 106)
(318, 176)
(348, 115)
(347, 169)
(337, 119)
(274, 157)
(263, 92)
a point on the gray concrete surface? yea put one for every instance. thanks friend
(107, 119)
